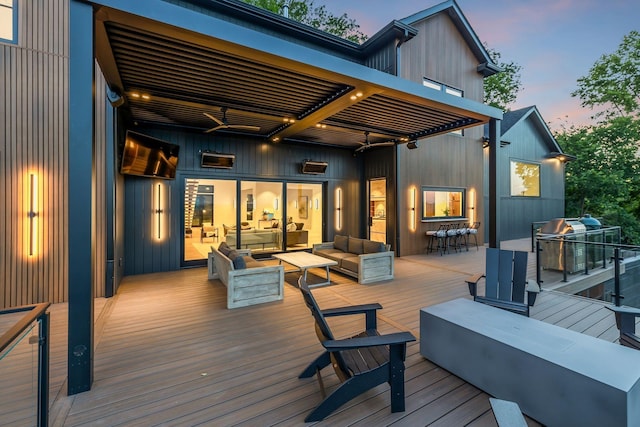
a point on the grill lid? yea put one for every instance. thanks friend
(563, 226)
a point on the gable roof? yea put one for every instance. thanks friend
(486, 65)
(512, 118)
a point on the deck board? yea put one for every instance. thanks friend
(169, 352)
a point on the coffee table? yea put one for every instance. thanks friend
(304, 261)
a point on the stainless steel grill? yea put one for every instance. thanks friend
(561, 232)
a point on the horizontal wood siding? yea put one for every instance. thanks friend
(34, 134)
(255, 160)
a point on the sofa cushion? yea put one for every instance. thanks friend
(224, 249)
(341, 243)
(239, 263)
(371, 247)
(251, 262)
(334, 255)
(355, 245)
(350, 263)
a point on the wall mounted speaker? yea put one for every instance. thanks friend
(412, 145)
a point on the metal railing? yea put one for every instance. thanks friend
(592, 264)
(16, 364)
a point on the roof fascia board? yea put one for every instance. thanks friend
(540, 124)
(173, 20)
(486, 65)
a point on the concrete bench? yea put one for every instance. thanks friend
(557, 376)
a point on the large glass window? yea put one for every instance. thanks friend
(8, 20)
(442, 203)
(525, 179)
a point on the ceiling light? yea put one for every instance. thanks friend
(359, 94)
(353, 97)
(276, 138)
(135, 95)
(146, 97)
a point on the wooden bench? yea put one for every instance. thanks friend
(557, 376)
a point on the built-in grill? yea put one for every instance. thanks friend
(560, 234)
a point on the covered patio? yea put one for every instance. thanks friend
(168, 352)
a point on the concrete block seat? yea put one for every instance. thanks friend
(248, 281)
(366, 260)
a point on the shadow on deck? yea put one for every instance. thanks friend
(169, 352)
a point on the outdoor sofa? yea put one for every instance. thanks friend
(366, 260)
(248, 281)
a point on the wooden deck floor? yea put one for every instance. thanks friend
(169, 353)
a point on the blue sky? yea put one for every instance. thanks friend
(555, 41)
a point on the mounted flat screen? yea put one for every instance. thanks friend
(144, 155)
(217, 160)
(316, 168)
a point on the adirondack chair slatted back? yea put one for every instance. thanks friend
(323, 331)
(508, 281)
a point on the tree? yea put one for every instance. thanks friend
(501, 89)
(604, 180)
(306, 12)
(614, 81)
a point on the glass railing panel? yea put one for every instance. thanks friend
(19, 373)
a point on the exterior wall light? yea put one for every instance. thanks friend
(158, 211)
(338, 209)
(412, 209)
(32, 214)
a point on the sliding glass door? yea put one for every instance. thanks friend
(273, 216)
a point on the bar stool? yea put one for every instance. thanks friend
(439, 238)
(473, 231)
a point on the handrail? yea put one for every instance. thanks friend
(35, 311)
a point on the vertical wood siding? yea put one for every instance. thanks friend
(34, 134)
(439, 52)
(100, 185)
(255, 160)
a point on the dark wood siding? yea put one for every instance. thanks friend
(438, 52)
(34, 133)
(255, 160)
(517, 213)
(384, 59)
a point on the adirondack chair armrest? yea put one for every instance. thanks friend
(625, 318)
(533, 289)
(369, 311)
(352, 309)
(395, 338)
(515, 307)
(472, 282)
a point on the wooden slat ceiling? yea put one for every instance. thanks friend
(185, 80)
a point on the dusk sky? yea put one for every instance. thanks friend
(555, 41)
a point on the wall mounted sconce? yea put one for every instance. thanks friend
(560, 156)
(412, 209)
(158, 211)
(471, 200)
(338, 209)
(33, 213)
(317, 204)
(275, 204)
(295, 204)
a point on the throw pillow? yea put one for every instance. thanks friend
(341, 243)
(239, 263)
(224, 249)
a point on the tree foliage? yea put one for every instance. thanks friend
(501, 89)
(614, 80)
(306, 12)
(604, 180)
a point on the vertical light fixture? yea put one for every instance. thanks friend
(33, 213)
(338, 208)
(412, 209)
(317, 204)
(158, 212)
(472, 206)
(275, 204)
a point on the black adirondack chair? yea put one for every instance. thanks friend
(505, 282)
(361, 362)
(626, 323)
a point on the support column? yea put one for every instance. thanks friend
(494, 184)
(79, 194)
